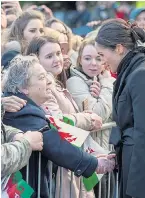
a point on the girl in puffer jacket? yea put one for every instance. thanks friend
(91, 86)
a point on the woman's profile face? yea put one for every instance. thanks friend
(109, 56)
(91, 61)
(50, 57)
(33, 29)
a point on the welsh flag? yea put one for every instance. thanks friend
(78, 137)
(14, 186)
(72, 134)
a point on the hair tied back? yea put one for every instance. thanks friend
(137, 33)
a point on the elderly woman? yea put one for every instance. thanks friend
(60, 102)
(26, 78)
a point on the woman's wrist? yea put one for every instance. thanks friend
(18, 136)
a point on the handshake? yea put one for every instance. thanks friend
(106, 163)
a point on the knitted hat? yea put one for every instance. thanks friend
(135, 13)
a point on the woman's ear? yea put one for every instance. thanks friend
(119, 49)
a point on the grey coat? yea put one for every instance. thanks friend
(14, 155)
(129, 114)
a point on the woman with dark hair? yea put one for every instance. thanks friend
(117, 41)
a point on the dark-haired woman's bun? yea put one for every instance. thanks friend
(138, 34)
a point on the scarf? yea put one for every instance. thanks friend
(124, 66)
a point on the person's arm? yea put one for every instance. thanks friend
(68, 156)
(10, 132)
(17, 148)
(58, 150)
(14, 156)
(12, 103)
(80, 92)
(12, 7)
(55, 148)
(64, 154)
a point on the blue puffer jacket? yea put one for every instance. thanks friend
(59, 151)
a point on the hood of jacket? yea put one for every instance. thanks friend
(89, 81)
(76, 72)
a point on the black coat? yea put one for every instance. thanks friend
(129, 114)
(59, 151)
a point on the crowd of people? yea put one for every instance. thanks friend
(47, 70)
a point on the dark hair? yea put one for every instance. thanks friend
(36, 44)
(118, 31)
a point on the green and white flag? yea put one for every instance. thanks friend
(13, 186)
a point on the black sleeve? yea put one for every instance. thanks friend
(55, 149)
(137, 164)
(68, 156)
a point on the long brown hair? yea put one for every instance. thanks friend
(18, 26)
(34, 48)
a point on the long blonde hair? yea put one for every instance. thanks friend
(76, 42)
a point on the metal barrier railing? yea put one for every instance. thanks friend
(94, 136)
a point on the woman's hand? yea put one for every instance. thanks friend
(96, 121)
(12, 7)
(13, 103)
(35, 139)
(106, 163)
(95, 88)
(47, 11)
(66, 62)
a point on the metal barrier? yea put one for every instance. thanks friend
(94, 136)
